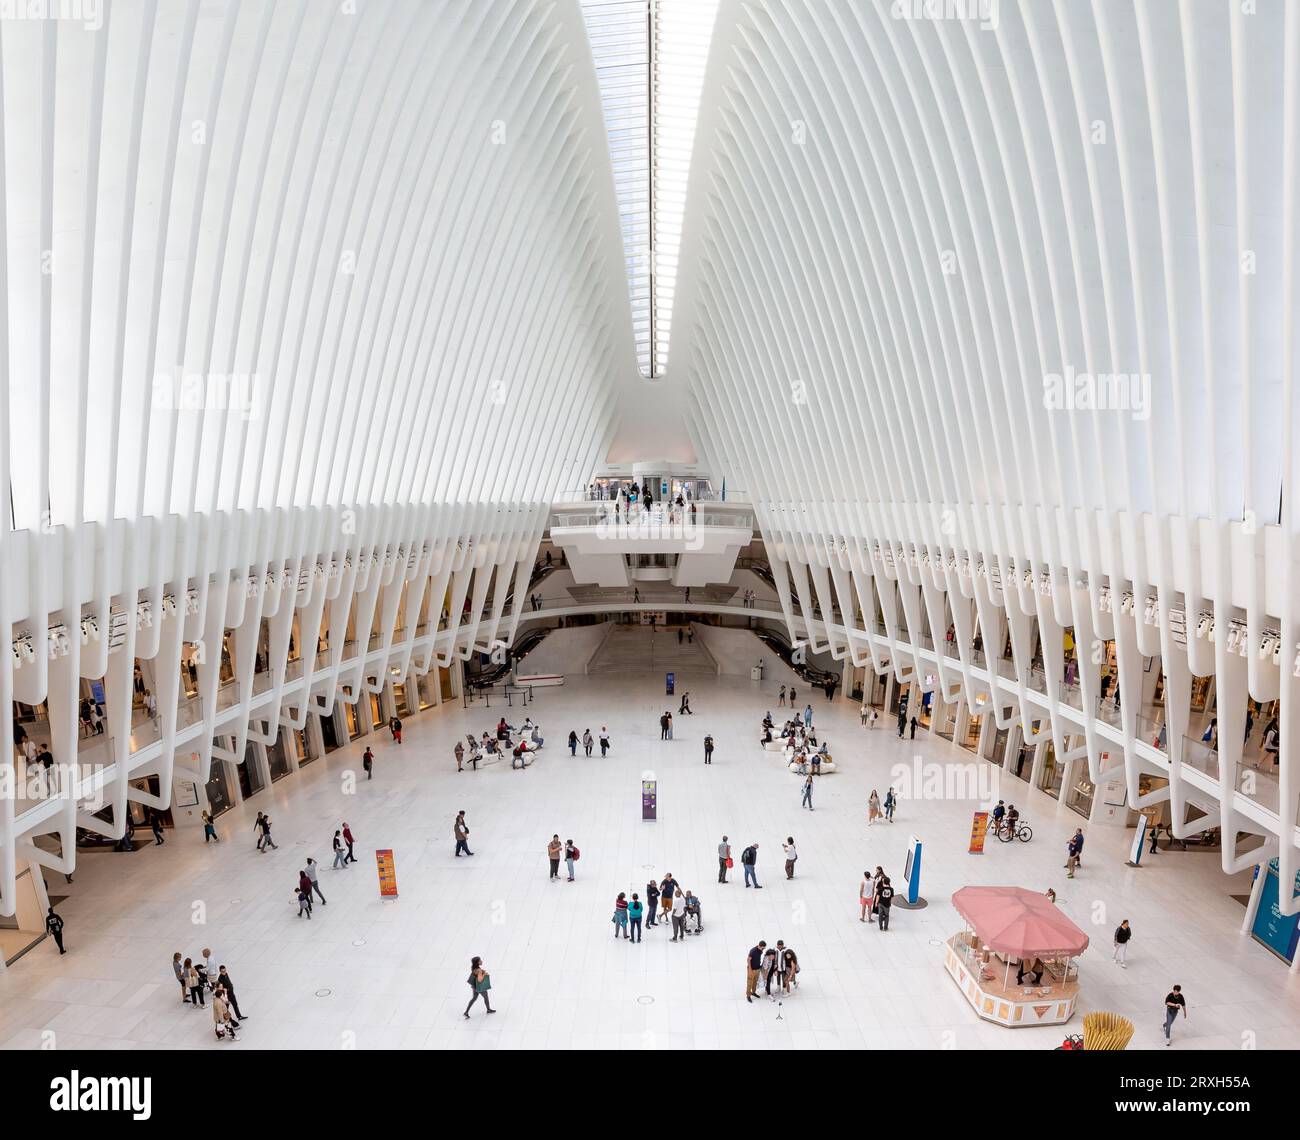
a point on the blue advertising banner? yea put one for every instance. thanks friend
(1275, 930)
(670, 683)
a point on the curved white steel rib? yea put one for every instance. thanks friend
(917, 231)
(306, 312)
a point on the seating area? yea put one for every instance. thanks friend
(799, 746)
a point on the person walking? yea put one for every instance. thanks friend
(459, 752)
(651, 903)
(1122, 934)
(347, 838)
(749, 860)
(780, 700)
(913, 723)
(753, 964)
(395, 727)
(571, 855)
(724, 859)
(311, 872)
(54, 928)
(587, 741)
(266, 834)
(224, 982)
(884, 900)
(807, 792)
(866, 893)
(553, 850)
(620, 916)
(461, 830)
(573, 742)
(604, 740)
(635, 912)
(221, 1020)
(668, 889)
(368, 760)
(304, 902)
(261, 833)
(304, 885)
(708, 749)
(875, 716)
(891, 802)
(480, 982)
(679, 917)
(1174, 1001)
(807, 716)
(863, 714)
(791, 855)
(155, 825)
(873, 807)
(340, 855)
(210, 829)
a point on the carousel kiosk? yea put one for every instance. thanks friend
(1015, 961)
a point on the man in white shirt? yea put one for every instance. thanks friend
(679, 916)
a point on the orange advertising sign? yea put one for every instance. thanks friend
(978, 829)
(387, 874)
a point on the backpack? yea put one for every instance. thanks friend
(576, 854)
(747, 856)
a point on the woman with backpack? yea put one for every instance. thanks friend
(480, 981)
(571, 856)
(620, 916)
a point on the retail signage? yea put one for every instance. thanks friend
(387, 874)
(1139, 842)
(649, 799)
(912, 871)
(1277, 931)
(978, 829)
(670, 683)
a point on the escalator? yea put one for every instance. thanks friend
(541, 571)
(764, 571)
(491, 674)
(778, 645)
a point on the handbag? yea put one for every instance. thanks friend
(730, 862)
(483, 984)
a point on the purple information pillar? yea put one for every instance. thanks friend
(649, 799)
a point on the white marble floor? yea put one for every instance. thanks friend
(393, 973)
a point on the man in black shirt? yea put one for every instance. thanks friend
(54, 925)
(1174, 1001)
(753, 963)
(884, 900)
(223, 979)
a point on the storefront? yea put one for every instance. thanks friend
(301, 744)
(376, 710)
(221, 796)
(250, 772)
(1023, 765)
(400, 703)
(354, 724)
(277, 757)
(970, 739)
(329, 729)
(1053, 771)
(998, 748)
(424, 688)
(1081, 793)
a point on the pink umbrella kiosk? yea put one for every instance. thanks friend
(1013, 927)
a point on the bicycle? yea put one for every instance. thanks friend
(1022, 831)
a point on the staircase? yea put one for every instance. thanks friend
(634, 649)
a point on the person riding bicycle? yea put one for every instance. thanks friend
(998, 813)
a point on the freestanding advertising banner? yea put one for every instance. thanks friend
(387, 874)
(978, 829)
(649, 799)
(1139, 841)
(1278, 931)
